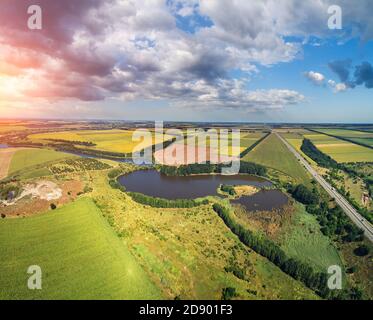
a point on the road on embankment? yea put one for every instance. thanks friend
(351, 212)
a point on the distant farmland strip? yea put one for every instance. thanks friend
(340, 150)
(343, 138)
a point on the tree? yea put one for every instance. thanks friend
(228, 293)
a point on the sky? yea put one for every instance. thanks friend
(187, 60)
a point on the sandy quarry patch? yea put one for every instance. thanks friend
(30, 206)
(180, 154)
(44, 190)
(6, 156)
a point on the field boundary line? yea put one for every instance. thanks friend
(342, 138)
(249, 149)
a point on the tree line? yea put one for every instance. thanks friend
(165, 203)
(316, 155)
(298, 270)
(333, 221)
(209, 168)
(76, 142)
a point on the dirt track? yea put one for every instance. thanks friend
(5, 159)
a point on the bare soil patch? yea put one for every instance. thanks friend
(179, 154)
(39, 196)
(6, 156)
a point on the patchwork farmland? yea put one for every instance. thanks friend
(127, 246)
(340, 150)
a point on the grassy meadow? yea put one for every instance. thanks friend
(186, 252)
(301, 238)
(26, 158)
(274, 154)
(115, 140)
(79, 254)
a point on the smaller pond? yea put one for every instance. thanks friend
(264, 200)
(3, 146)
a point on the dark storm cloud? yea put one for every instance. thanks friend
(364, 75)
(342, 68)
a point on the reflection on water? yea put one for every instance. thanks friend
(265, 200)
(152, 183)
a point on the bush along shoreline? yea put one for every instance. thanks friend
(209, 168)
(165, 203)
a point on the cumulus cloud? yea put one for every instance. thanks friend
(316, 77)
(94, 49)
(337, 87)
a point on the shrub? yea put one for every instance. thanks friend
(53, 206)
(362, 251)
(228, 293)
(302, 194)
(228, 189)
(165, 203)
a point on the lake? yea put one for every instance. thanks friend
(152, 183)
(264, 200)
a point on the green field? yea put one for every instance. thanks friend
(79, 254)
(356, 136)
(27, 158)
(274, 154)
(302, 239)
(296, 142)
(341, 151)
(247, 139)
(119, 141)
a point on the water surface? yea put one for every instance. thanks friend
(152, 183)
(264, 200)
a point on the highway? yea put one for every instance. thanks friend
(359, 221)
